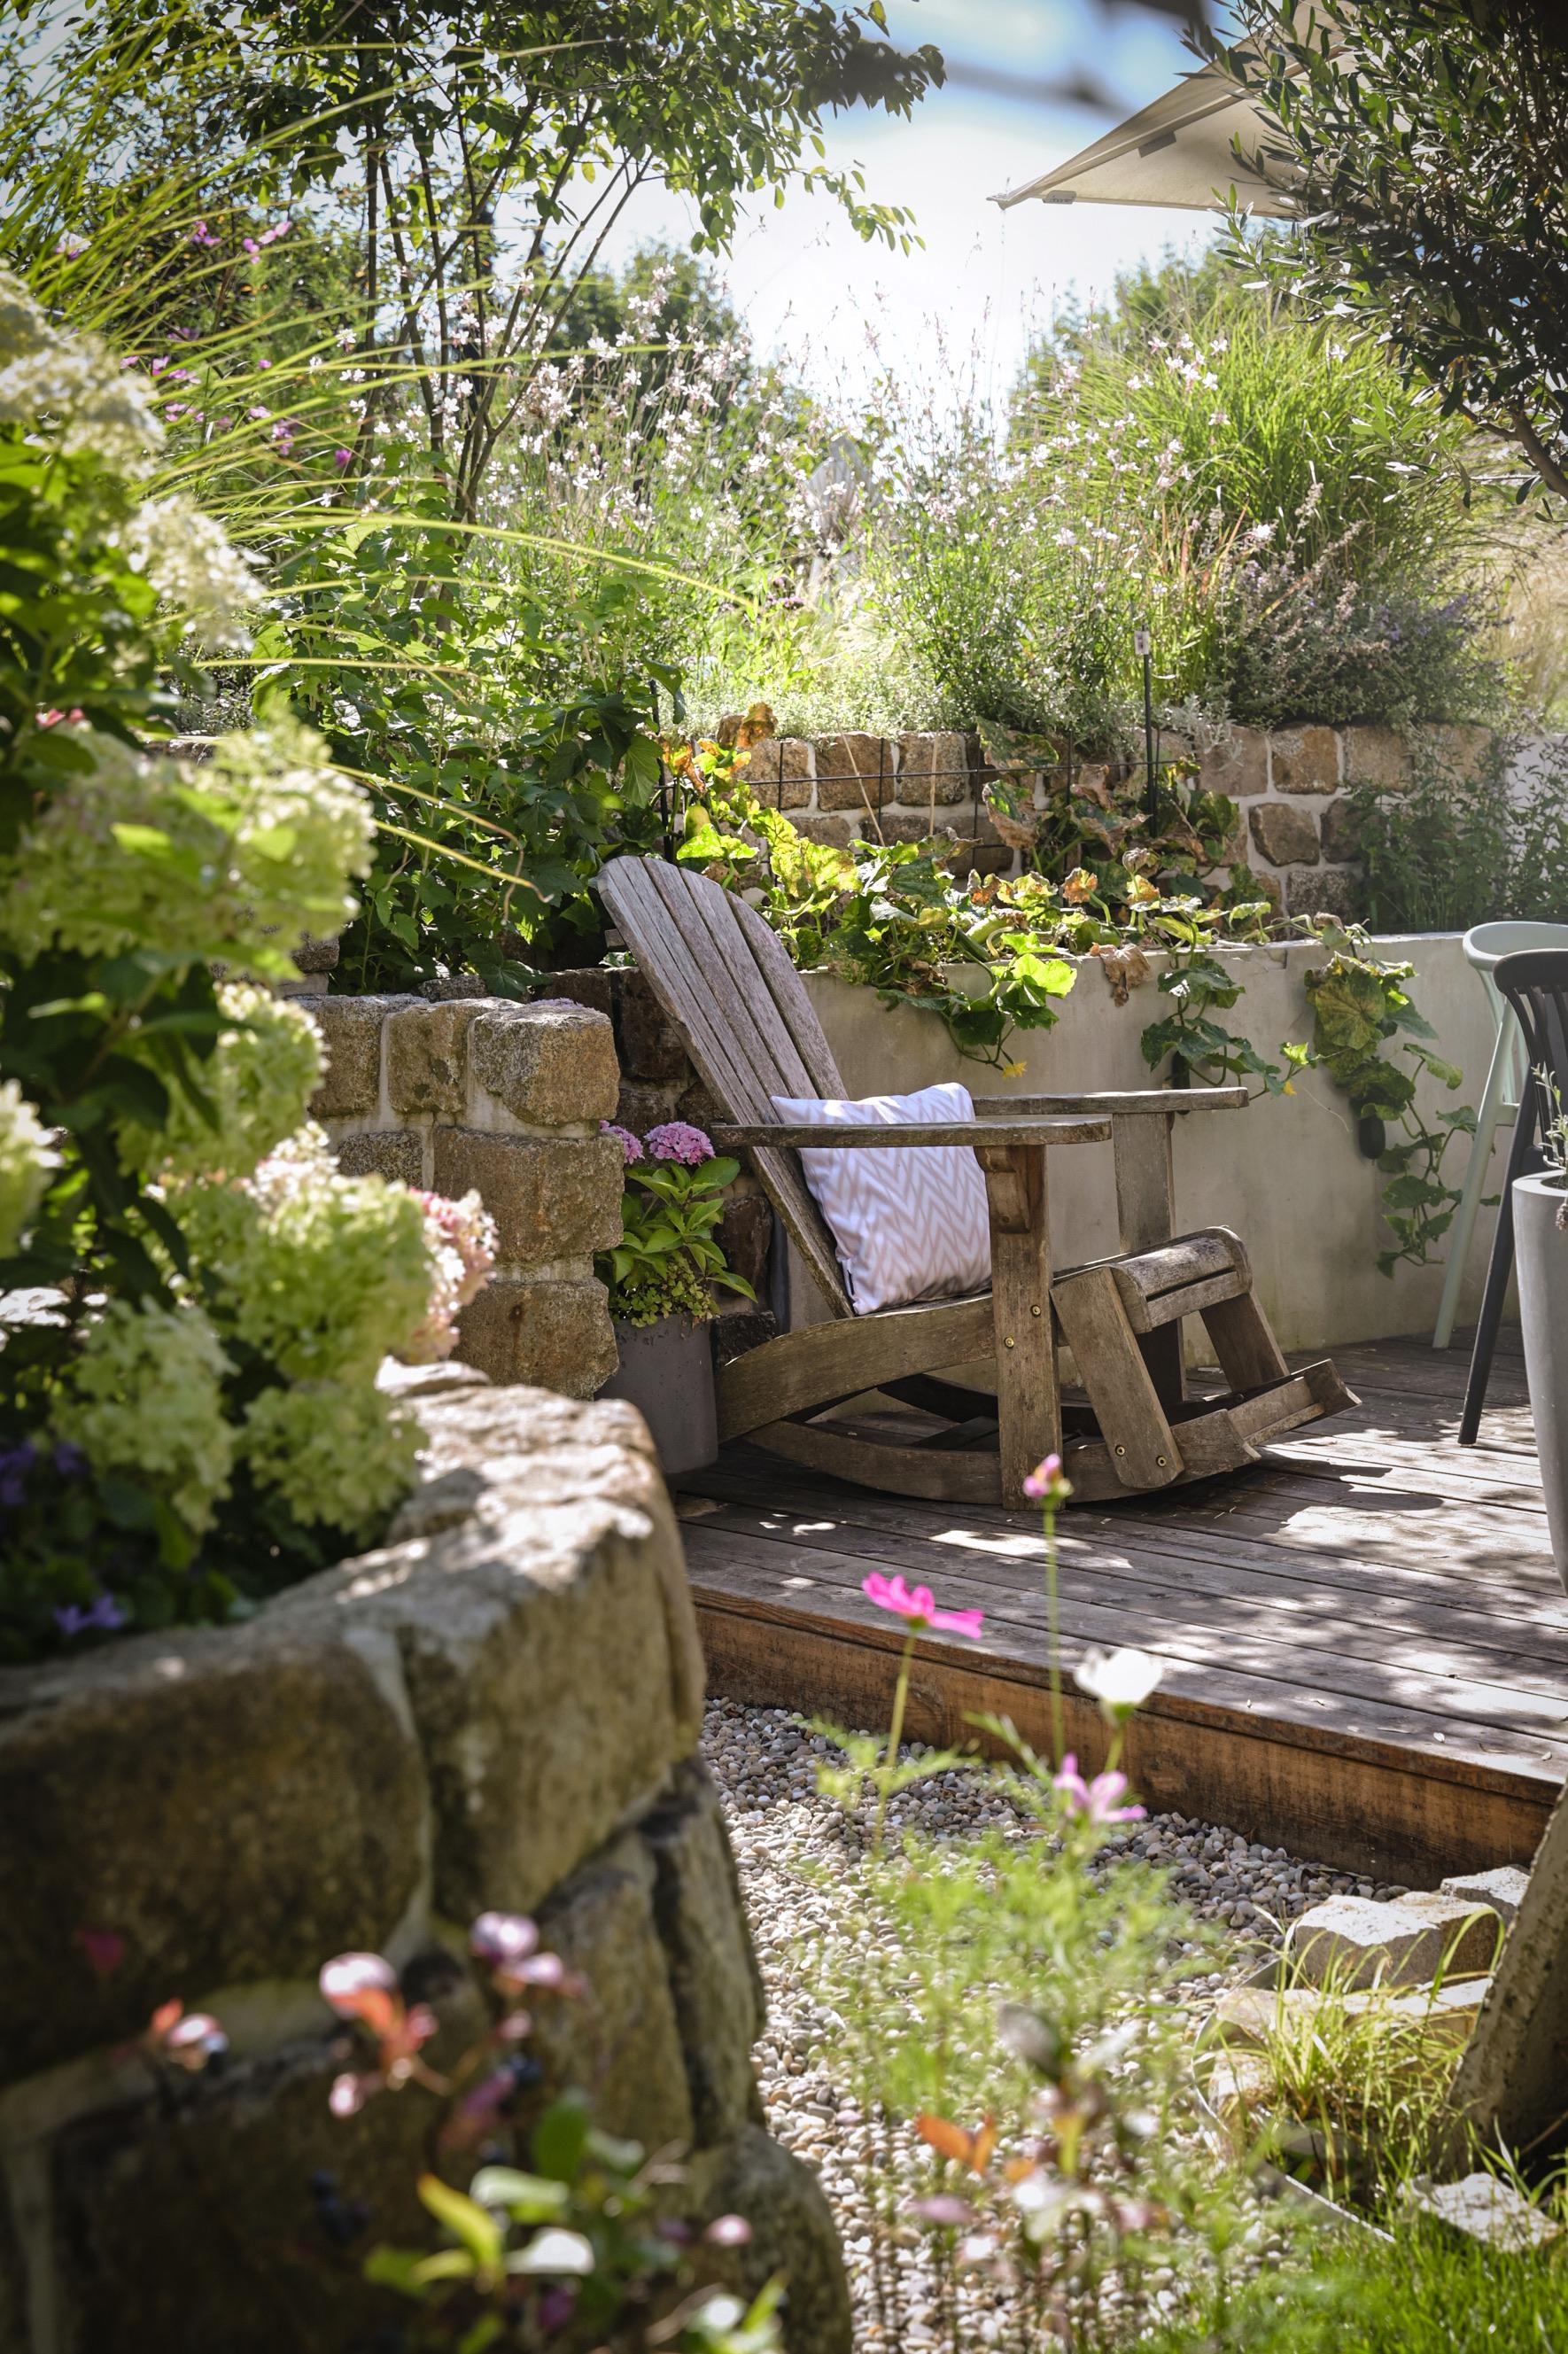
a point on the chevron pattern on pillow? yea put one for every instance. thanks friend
(906, 1226)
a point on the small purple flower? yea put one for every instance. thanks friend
(630, 1146)
(104, 1616)
(69, 1461)
(679, 1140)
(15, 1462)
(342, 458)
(556, 2308)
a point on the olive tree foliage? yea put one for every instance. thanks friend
(1430, 138)
(471, 158)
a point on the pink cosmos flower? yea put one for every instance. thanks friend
(677, 1140)
(630, 1146)
(919, 1607)
(1097, 1799)
(1045, 1483)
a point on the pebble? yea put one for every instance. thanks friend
(789, 1842)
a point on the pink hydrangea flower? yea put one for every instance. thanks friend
(919, 1608)
(677, 1140)
(1097, 1799)
(630, 1146)
(1046, 1485)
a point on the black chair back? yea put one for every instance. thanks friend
(1535, 983)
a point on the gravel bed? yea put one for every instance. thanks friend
(783, 1833)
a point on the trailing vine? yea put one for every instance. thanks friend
(1358, 1002)
(992, 955)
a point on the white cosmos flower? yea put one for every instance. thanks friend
(1120, 1680)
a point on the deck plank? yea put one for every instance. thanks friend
(1366, 1639)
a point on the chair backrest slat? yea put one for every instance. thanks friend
(703, 965)
(795, 1009)
(1535, 983)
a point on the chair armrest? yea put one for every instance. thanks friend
(793, 1134)
(1115, 1105)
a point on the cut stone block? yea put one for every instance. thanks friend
(427, 1062)
(397, 1152)
(853, 772)
(551, 1197)
(932, 767)
(714, 1977)
(548, 1644)
(591, 985)
(1287, 836)
(819, 826)
(780, 772)
(141, 2262)
(792, 2234)
(1237, 766)
(1239, 2084)
(554, 1332)
(1485, 2208)
(551, 1064)
(909, 825)
(1324, 890)
(351, 1033)
(1503, 1889)
(313, 955)
(1376, 755)
(1304, 761)
(231, 1803)
(1341, 833)
(1353, 1941)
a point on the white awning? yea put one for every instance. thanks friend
(1177, 151)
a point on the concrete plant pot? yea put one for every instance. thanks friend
(667, 1374)
(1542, 1254)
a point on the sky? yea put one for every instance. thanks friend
(813, 294)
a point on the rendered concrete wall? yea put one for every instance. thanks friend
(1287, 1173)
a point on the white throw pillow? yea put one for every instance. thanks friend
(907, 1225)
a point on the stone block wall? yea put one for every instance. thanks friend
(1297, 830)
(658, 1083)
(480, 1093)
(497, 1709)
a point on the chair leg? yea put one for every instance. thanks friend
(1500, 1266)
(1249, 1356)
(1028, 1399)
(1143, 1450)
(1494, 1097)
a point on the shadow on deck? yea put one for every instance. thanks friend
(1366, 1642)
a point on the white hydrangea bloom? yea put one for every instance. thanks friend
(70, 385)
(232, 860)
(144, 1398)
(26, 1160)
(192, 565)
(323, 1274)
(340, 1454)
(259, 1080)
(461, 1239)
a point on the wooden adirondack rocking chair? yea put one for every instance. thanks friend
(726, 980)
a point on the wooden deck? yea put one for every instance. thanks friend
(1367, 1642)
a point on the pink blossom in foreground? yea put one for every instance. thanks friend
(630, 1146)
(1097, 1799)
(677, 1140)
(461, 1239)
(1045, 1484)
(342, 458)
(918, 1606)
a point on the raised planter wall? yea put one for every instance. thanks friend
(1287, 1173)
(499, 1709)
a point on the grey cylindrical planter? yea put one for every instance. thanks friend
(1542, 1254)
(667, 1374)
